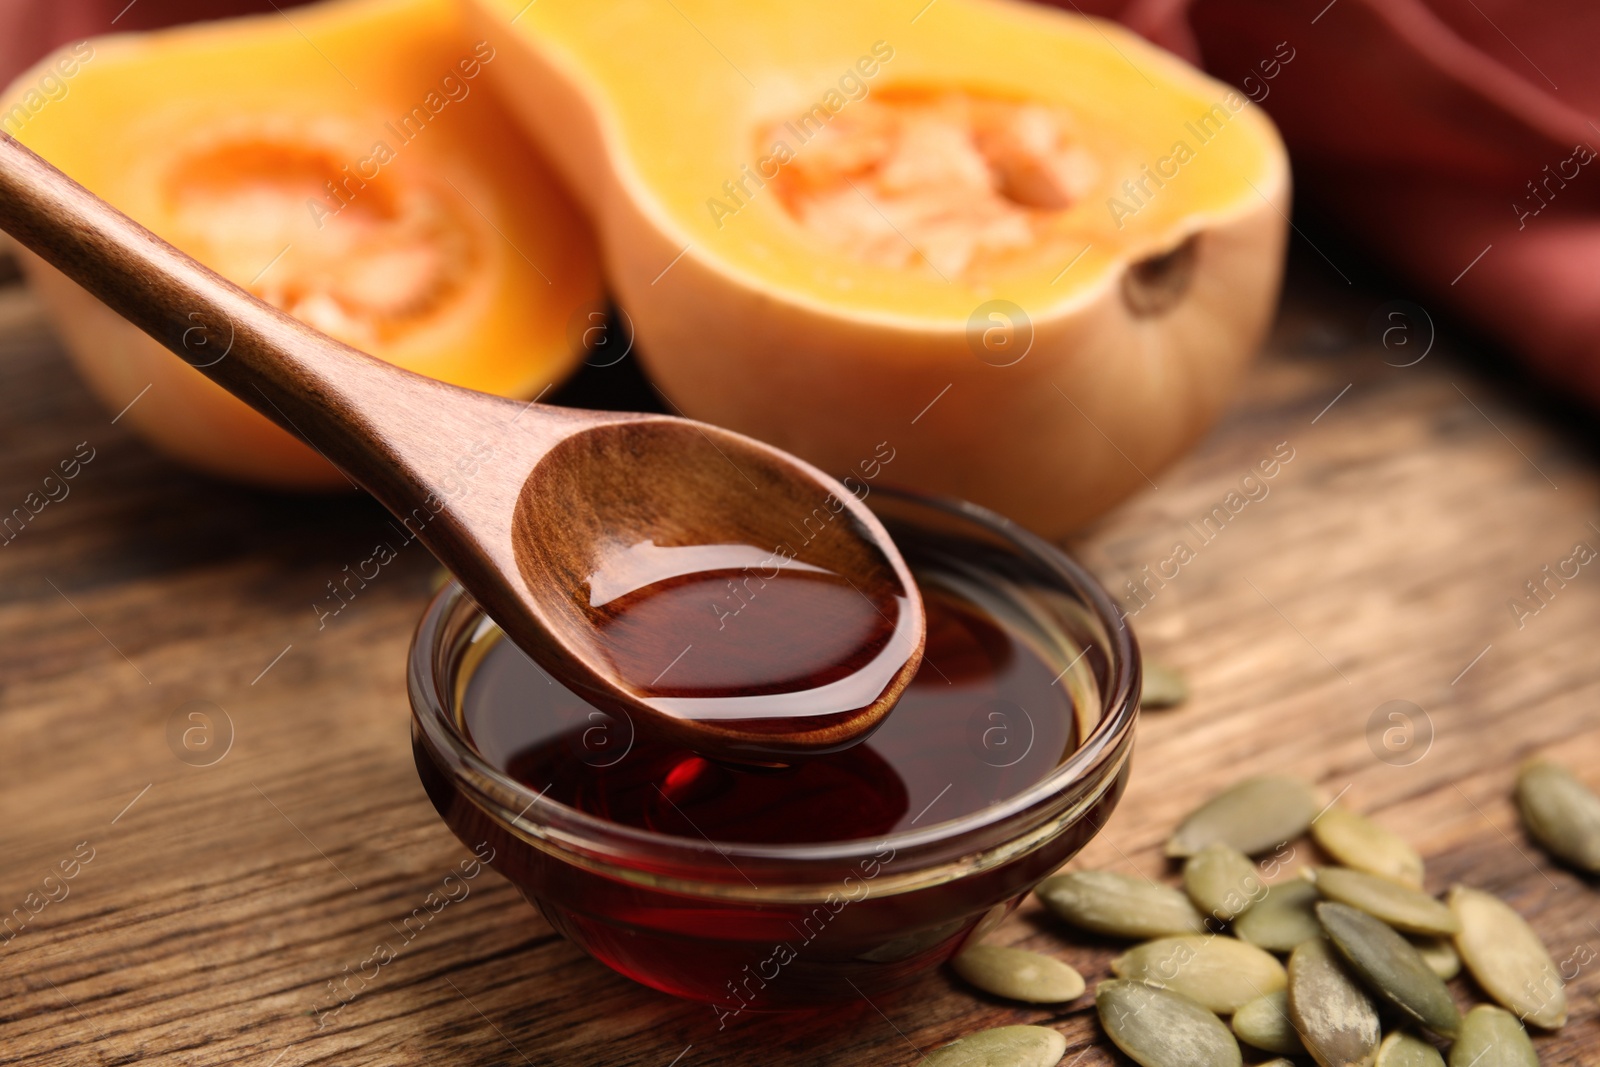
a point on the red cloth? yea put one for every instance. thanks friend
(1430, 131)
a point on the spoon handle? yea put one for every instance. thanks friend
(306, 382)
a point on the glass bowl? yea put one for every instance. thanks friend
(764, 927)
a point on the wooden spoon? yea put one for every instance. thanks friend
(561, 523)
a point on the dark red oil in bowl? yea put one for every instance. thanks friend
(760, 889)
(733, 634)
(955, 744)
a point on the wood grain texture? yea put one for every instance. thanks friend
(219, 905)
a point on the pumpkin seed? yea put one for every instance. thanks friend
(1264, 1024)
(1491, 1037)
(1401, 1049)
(1221, 881)
(1507, 958)
(1018, 974)
(1160, 1028)
(1440, 956)
(1390, 965)
(1004, 1046)
(1282, 919)
(1119, 905)
(1216, 972)
(1560, 813)
(1256, 815)
(1163, 687)
(1401, 906)
(1334, 1017)
(1361, 844)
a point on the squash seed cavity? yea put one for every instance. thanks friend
(383, 258)
(963, 183)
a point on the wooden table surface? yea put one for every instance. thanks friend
(221, 900)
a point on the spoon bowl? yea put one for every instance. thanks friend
(611, 547)
(726, 583)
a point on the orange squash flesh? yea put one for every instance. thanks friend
(1028, 251)
(352, 167)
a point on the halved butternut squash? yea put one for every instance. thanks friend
(1029, 251)
(346, 162)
